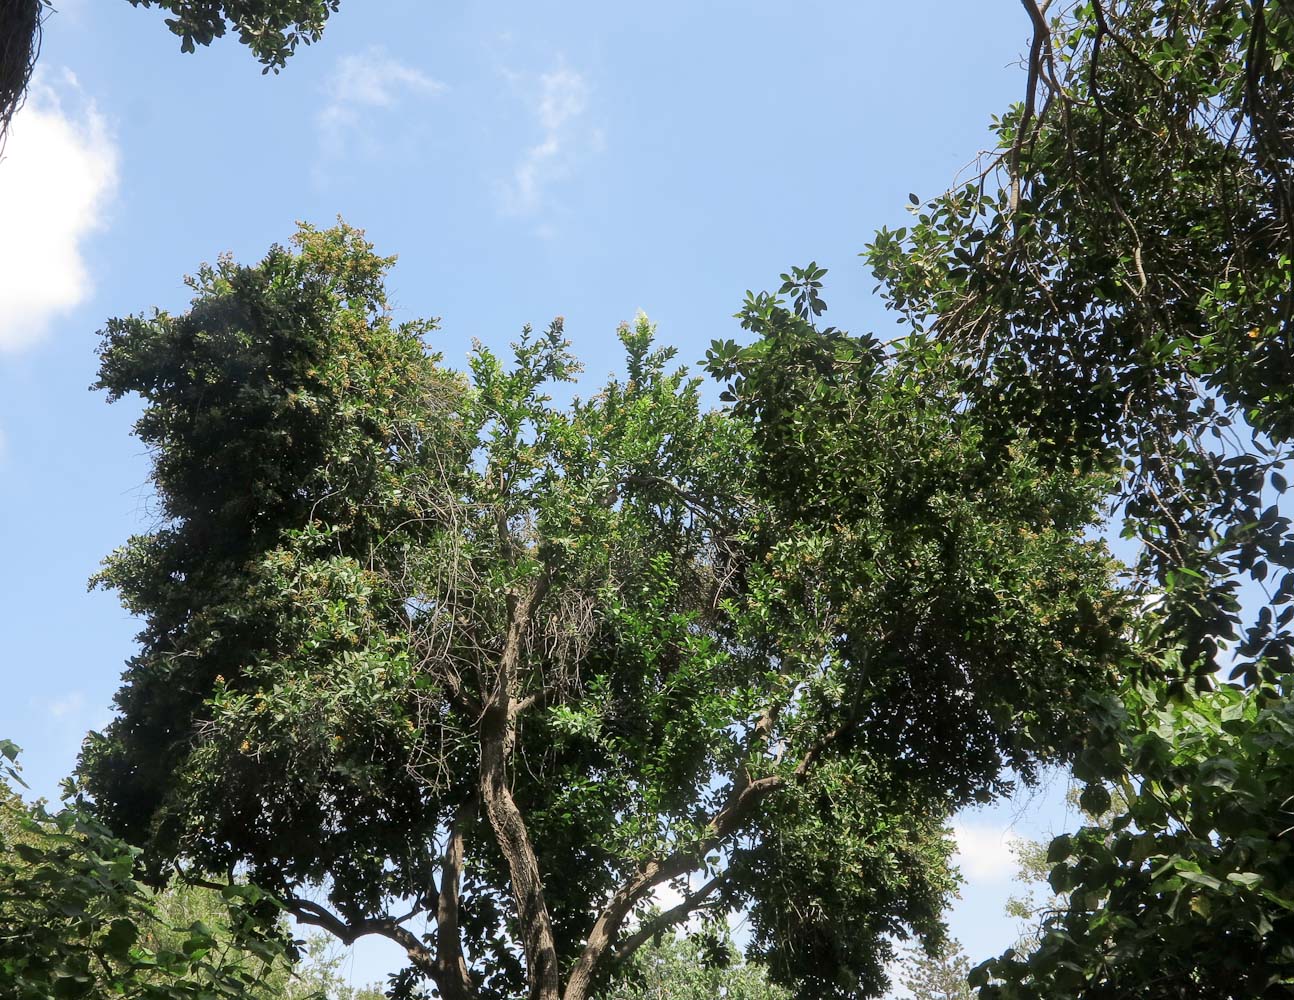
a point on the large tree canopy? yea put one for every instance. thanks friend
(427, 646)
(1119, 278)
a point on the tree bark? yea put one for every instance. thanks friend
(505, 817)
(455, 981)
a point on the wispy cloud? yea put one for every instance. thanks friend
(57, 178)
(69, 705)
(559, 107)
(361, 84)
(984, 852)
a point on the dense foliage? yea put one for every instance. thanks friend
(1119, 278)
(438, 649)
(1187, 890)
(271, 29)
(75, 922)
(424, 648)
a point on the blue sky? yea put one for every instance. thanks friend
(524, 161)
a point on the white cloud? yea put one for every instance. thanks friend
(984, 852)
(362, 82)
(563, 96)
(373, 79)
(666, 896)
(559, 109)
(57, 176)
(69, 705)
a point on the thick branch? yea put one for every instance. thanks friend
(1041, 39)
(505, 817)
(743, 798)
(667, 919)
(456, 981)
(309, 912)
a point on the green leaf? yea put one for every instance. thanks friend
(121, 936)
(1060, 849)
(1199, 878)
(1094, 800)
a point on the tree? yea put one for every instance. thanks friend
(684, 969)
(319, 974)
(20, 34)
(74, 922)
(941, 974)
(1119, 278)
(1185, 889)
(437, 649)
(271, 29)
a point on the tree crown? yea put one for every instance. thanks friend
(433, 642)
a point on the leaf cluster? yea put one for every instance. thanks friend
(1185, 888)
(271, 29)
(75, 922)
(1118, 277)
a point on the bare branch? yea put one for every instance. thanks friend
(742, 799)
(309, 912)
(1041, 39)
(667, 919)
